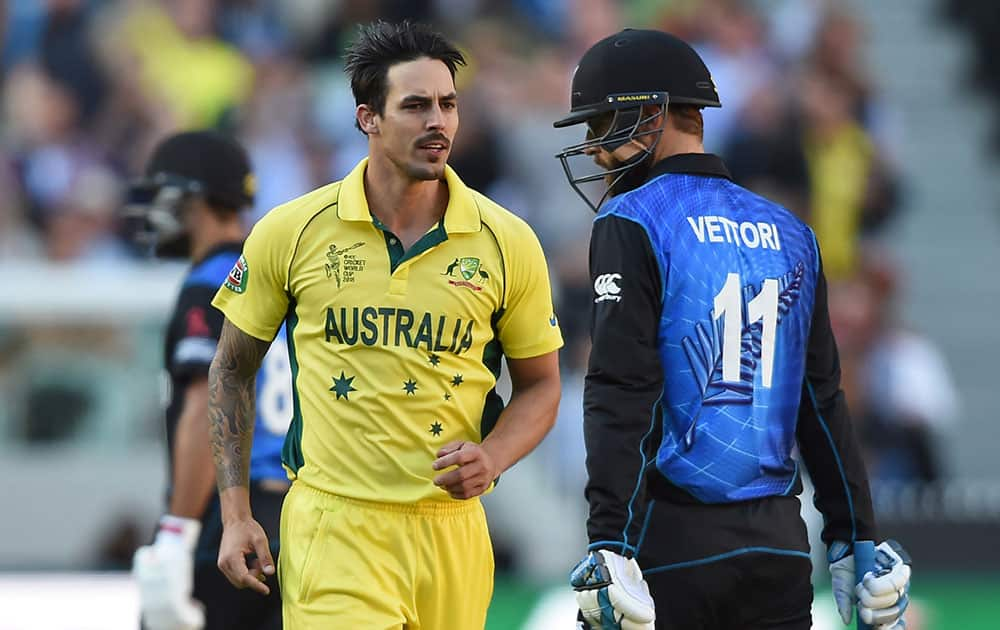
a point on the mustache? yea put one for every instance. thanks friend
(434, 137)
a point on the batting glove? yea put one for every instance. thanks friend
(611, 593)
(883, 594)
(164, 572)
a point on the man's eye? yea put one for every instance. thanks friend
(599, 125)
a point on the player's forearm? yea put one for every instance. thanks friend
(193, 469)
(230, 412)
(525, 422)
(234, 504)
(231, 382)
(619, 425)
(826, 438)
(832, 456)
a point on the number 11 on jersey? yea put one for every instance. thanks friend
(764, 307)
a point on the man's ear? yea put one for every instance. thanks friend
(367, 119)
(653, 110)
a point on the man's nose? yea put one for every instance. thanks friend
(435, 119)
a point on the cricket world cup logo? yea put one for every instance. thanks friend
(352, 264)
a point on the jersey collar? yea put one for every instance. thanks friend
(691, 164)
(234, 247)
(461, 215)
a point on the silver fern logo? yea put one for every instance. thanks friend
(705, 356)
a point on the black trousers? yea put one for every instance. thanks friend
(230, 608)
(749, 592)
(227, 607)
(738, 566)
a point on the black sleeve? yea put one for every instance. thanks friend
(826, 437)
(624, 379)
(194, 332)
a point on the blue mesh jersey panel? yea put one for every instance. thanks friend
(212, 271)
(727, 439)
(274, 411)
(274, 380)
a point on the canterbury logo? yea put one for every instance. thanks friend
(606, 287)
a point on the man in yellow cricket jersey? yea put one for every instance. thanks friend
(402, 289)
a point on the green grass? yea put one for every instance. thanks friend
(949, 601)
(959, 602)
(512, 603)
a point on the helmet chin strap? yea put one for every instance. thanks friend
(634, 174)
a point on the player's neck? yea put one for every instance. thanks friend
(676, 143)
(407, 207)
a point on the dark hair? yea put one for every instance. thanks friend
(381, 45)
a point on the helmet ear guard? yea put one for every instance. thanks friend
(626, 124)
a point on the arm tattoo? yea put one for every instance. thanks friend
(231, 392)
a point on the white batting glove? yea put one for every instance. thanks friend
(883, 594)
(611, 592)
(164, 572)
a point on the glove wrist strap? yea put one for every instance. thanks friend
(177, 529)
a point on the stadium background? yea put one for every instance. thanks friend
(876, 121)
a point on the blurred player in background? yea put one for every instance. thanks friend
(189, 206)
(712, 358)
(403, 289)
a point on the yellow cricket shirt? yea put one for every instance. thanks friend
(393, 353)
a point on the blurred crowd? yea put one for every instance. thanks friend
(981, 20)
(89, 86)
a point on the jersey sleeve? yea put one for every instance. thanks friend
(196, 327)
(255, 296)
(624, 380)
(527, 326)
(826, 438)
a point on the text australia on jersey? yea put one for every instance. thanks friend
(386, 326)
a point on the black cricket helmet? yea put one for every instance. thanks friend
(616, 77)
(208, 164)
